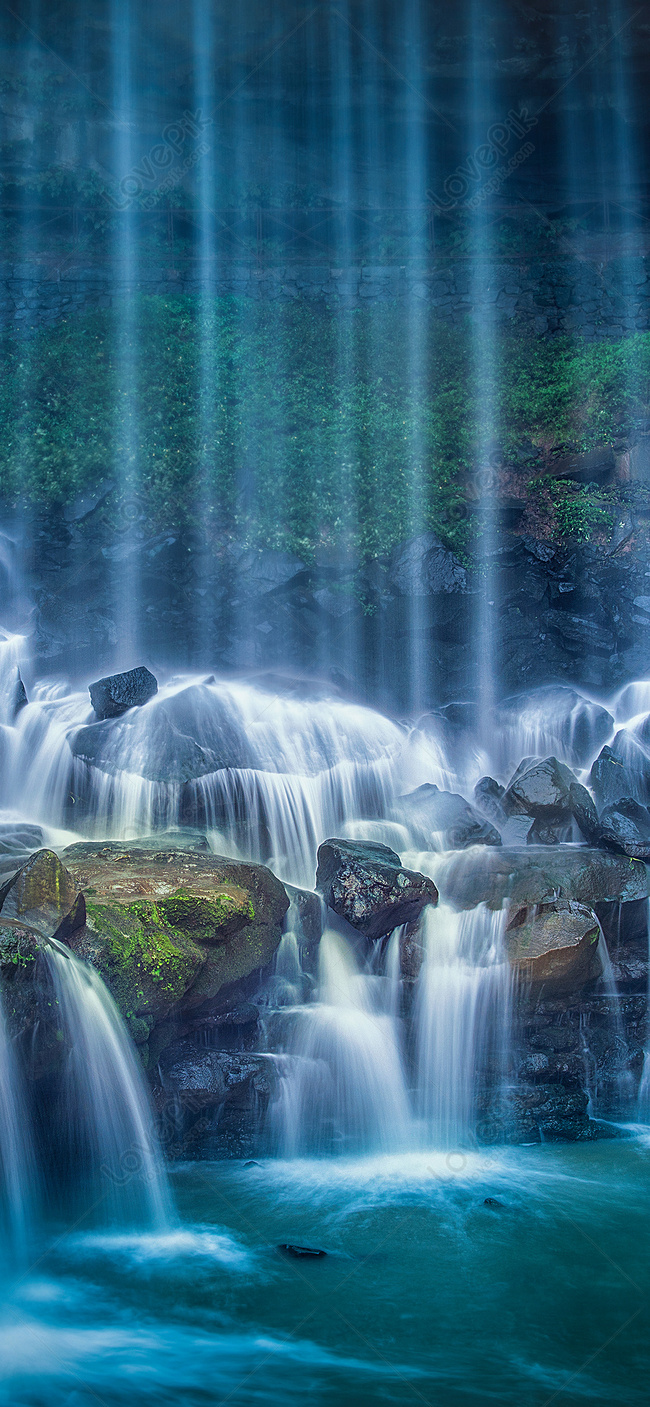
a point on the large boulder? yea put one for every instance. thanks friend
(541, 875)
(171, 931)
(554, 945)
(443, 820)
(621, 770)
(626, 828)
(364, 883)
(212, 1102)
(547, 791)
(117, 692)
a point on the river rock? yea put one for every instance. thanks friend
(117, 692)
(540, 875)
(442, 819)
(554, 945)
(626, 828)
(364, 883)
(172, 931)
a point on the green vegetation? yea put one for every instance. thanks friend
(290, 425)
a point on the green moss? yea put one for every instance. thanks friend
(339, 427)
(148, 963)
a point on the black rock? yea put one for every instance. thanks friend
(492, 1202)
(621, 770)
(117, 692)
(364, 883)
(300, 1252)
(429, 812)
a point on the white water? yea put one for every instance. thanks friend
(112, 1145)
(17, 1167)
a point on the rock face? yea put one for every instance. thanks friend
(441, 818)
(213, 1101)
(554, 946)
(626, 828)
(117, 692)
(364, 883)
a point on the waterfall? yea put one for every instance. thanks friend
(343, 1089)
(462, 1018)
(112, 1150)
(18, 1179)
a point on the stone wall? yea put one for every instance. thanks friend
(580, 296)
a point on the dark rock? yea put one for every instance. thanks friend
(443, 819)
(492, 1202)
(424, 567)
(548, 791)
(621, 770)
(184, 838)
(19, 698)
(364, 883)
(117, 692)
(219, 1100)
(300, 1252)
(543, 833)
(626, 828)
(252, 1163)
(592, 466)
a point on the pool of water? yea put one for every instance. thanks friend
(426, 1294)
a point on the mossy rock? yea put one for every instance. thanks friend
(40, 894)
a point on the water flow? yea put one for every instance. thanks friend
(343, 1088)
(18, 1181)
(462, 1018)
(112, 1150)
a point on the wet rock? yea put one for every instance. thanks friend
(424, 567)
(213, 1102)
(17, 695)
(554, 945)
(172, 930)
(16, 838)
(547, 791)
(289, 1248)
(487, 795)
(543, 833)
(364, 883)
(621, 770)
(533, 875)
(40, 894)
(184, 838)
(28, 1000)
(626, 828)
(442, 819)
(554, 716)
(117, 692)
(492, 1202)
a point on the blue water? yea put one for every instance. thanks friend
(426, 1295)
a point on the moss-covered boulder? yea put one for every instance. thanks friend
(169, 929)
(41, 894)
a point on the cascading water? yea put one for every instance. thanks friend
(113, 1158)
(18, 1181)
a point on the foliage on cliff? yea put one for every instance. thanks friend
(293, 425)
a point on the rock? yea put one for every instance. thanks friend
(166, 756)
(621, 770)
(626, 828)
(171, 930)
(487, 795)
(543, 833)
(364, 883)
(117, 692)
(534, 875)
(17, 695)
(288, 1248)
(184, 838)
(554, 945)
(549, 718)
(40, 894)
(218, 1100)
(492, 1202)
(442, 819)
(16, 838)
(591, 466)
(424, 567)
(548, 791)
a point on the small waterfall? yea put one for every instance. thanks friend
(643, 1098)
(462, 1018)
(112, 1149)
(18, 1180)
(343, 1089)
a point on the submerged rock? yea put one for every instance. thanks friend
(364, 883)
(288, 1248)
(554, 945)
(443, 818)
(626, 828)
(117, 692)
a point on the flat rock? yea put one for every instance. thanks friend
(115, 693)
(364, 883)
(539, 875)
